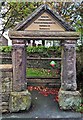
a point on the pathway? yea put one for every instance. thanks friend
(43, 107)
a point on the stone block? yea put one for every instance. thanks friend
(5, 107)
(6, 74)
(4, 111)
(7, 85)
(69, 99)
(19, 101)
(5, 97)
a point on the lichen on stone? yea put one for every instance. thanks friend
(19, 101)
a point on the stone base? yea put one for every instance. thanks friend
(19, 101)
(69, 99)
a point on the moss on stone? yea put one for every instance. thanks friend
(69, 99)
(19, 101)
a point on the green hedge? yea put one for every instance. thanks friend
(79, 48)
(38, 49)
(5, 49)
(41, 49)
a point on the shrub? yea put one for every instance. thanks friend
(5, 49)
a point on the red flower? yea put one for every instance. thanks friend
(56, 98)
(30, 88)
(49, 71)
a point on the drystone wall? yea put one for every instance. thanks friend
(10, 98)
(6, 80)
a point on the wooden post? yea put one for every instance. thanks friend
(68, 72)
(19, 65)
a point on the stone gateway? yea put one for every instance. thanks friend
(44, 24)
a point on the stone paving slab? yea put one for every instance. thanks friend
(42, 108)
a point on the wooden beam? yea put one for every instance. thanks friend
(47, 35)
(32, 58)
(43, 78)
(6, 68)
(44, 81)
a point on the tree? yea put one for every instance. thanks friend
(17, 12)
(72, 13)
(3, 10)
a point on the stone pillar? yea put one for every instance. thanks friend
(69, 98)
(20, 98)
(68, 68)
(19, 65)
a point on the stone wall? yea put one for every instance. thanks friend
(10, 98)
(6, 79)
(5, 58)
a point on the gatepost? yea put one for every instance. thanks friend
(20, 98)
(69, 98)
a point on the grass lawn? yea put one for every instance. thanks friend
(40, 72)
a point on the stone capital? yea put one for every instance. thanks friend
(18, 42)
(67, 42)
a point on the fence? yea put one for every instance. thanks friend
(38, 62)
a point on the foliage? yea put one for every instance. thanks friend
(45, 51)
(68, 11)
(41, 49)
(33, 49)
(38, 49)
(80, 108)
(79, 48)
(5, 49)
(72, 13)
(18, 11)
